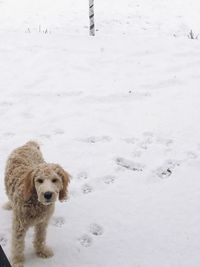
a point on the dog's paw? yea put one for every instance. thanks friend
(45, 252)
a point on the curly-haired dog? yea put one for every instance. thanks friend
(32, 186)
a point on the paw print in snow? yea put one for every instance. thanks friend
(96, 229)
(191, 155)
(82, 175)
(58, 221)
(109, 179)
(173, 163)
(130, 165)
(164, 173)
(85, 240)
(96, 139)
(148, 138)
(167, 169)
(86, 189)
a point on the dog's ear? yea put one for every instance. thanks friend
(28, 185)
(65, 180)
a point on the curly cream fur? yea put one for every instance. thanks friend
(24, 166)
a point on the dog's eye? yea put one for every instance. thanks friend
(54, 180)
(40, 181)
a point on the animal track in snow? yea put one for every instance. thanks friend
(191, 155)
(3, 240)
(141, 143)
(96, 229)
(130, 165)
(86, 189)
(145, 143)
(109, 179)
(58, 221)
(82, 175)
(96, 139)
(85, 240)
(167, 169)
(164, 172)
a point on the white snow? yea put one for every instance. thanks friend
(120, 112)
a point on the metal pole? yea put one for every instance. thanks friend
(91, 16)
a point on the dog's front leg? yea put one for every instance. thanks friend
(40, 241)
(18, 242)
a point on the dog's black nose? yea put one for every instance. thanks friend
(47, 195)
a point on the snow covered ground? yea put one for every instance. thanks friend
(121, 113)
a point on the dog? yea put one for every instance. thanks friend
(32, 186)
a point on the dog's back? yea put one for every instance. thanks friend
(19, 161)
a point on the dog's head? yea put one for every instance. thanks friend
(48, 181)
